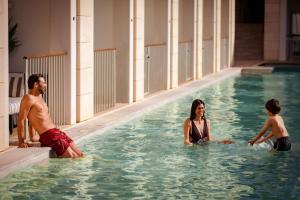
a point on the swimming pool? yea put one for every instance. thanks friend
(146, 158)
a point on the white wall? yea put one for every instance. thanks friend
(156, 21)
(208, 19)
(121, 36)
(186, 20)
(225, 19)
(4, 133)
(208, 32)
(59, 26)
(111, 30)
(104, 24)
(43, 27)
(224, 33)
(156, 29)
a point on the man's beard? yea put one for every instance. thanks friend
(41, 91)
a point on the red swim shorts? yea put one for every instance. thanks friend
(56, 139)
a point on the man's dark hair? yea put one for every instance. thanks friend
(33, 78)
(273, 106)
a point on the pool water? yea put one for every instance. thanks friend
(146, 158)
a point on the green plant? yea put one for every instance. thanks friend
(13, 41)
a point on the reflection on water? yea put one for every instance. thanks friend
(146, 158)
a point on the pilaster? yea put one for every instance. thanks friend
(85, 60)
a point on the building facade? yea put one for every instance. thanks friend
(98, 53)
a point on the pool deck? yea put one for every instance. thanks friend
(17, 158)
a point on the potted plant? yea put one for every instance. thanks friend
(13, 41)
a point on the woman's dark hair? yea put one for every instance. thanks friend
(33, 78)
(273, 106)
(195, 104)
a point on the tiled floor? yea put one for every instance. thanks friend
(16, 158)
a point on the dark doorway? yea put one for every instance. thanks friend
(250, 11)
(249, 32)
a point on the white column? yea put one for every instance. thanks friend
(131, 49)
(71, 82)
(283, 30)
(138, 50)
(169, 39)
(172, 57)
(231, 32)
(198, 41)
(272, 33)
(85, 60)
(4, 133)
(217, 36)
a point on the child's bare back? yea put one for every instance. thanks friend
(277, 125)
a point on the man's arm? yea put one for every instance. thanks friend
(266, 126)
(24, 110)
(33, 134)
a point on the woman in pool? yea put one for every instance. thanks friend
(197, 127)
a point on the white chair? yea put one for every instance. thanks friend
(16, 92)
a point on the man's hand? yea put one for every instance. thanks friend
(23, 145)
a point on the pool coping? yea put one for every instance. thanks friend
(17, 158)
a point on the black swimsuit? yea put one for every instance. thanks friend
(282, 144)
(196, 136)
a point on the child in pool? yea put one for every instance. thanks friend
(275, 122)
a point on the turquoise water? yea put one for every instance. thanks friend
(146, 158)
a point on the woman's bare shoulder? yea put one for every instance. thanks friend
(187, 122)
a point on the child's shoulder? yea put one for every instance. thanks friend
(275, 118)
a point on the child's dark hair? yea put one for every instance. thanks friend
(273, 106)
(33, 78)
(195, 104)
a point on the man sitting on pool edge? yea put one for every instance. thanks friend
(35, 109)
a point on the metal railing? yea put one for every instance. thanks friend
(104, 79)
(155, 68)
(207, 57)
(52, 66)
(293, 47)
(224, 53)
(185, 61)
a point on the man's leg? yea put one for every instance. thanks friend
(69, 153)
(76, 149)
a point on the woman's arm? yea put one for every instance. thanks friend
(209, 136)
(186, 131)
(266, 126)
